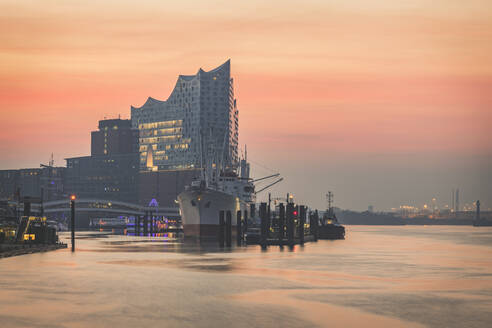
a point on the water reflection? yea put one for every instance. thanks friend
(384, 276)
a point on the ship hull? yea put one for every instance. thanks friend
(200, 212)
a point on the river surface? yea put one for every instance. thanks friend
(423, 276)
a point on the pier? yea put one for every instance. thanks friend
(288, 225)
(27, 234)
(9, 250)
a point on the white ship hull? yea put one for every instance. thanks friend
(200, 211)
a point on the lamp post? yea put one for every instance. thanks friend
(72, 208)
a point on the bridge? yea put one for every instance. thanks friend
(107, 206)
(87, 209)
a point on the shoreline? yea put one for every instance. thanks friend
(20, 249)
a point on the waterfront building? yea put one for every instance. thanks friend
(199, 117)
(114, 137)
(45, 183)
(8, 184)
(198, 120)
(111, 172)
(108, 177)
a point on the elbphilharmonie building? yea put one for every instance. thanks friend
(199, 118)
(151, 158)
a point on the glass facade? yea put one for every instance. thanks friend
(199, 119)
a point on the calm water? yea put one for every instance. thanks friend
(378, 276)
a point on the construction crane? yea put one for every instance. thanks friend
(50, 166)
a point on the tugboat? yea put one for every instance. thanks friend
(479, 222)
(330, 228)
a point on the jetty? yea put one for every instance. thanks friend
(288, 224)
(27, 234)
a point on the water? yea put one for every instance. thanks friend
(379, 276)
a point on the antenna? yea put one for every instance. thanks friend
(329, 201)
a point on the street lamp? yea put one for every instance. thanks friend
(72, 208)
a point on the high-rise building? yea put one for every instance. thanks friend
(200, 118)
(111, 172)
(114, 137)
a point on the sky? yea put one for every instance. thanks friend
(383, 103)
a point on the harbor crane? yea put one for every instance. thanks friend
(271, 184)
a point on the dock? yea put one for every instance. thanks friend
(9, 250)
(291, 225)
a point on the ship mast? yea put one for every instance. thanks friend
(329, 201)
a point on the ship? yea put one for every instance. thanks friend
(330, 228)
(218, 189)
(478, 221)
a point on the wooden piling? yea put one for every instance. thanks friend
(221, 229)
(239, 229)
(228, 229)
(264, 225)
(290, 224)
(146, 223)
(314, 222)
(281, 223)
(245, 223)
(302, 221)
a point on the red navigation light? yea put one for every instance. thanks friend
(295, 213)
(72, 197)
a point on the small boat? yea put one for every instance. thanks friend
(330, 228)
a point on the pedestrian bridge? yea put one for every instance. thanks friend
(101, 207)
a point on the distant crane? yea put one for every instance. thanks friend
(51, 163)
(50, 166)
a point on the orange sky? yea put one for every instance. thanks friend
(372, 95)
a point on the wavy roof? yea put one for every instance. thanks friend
(152, 101)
